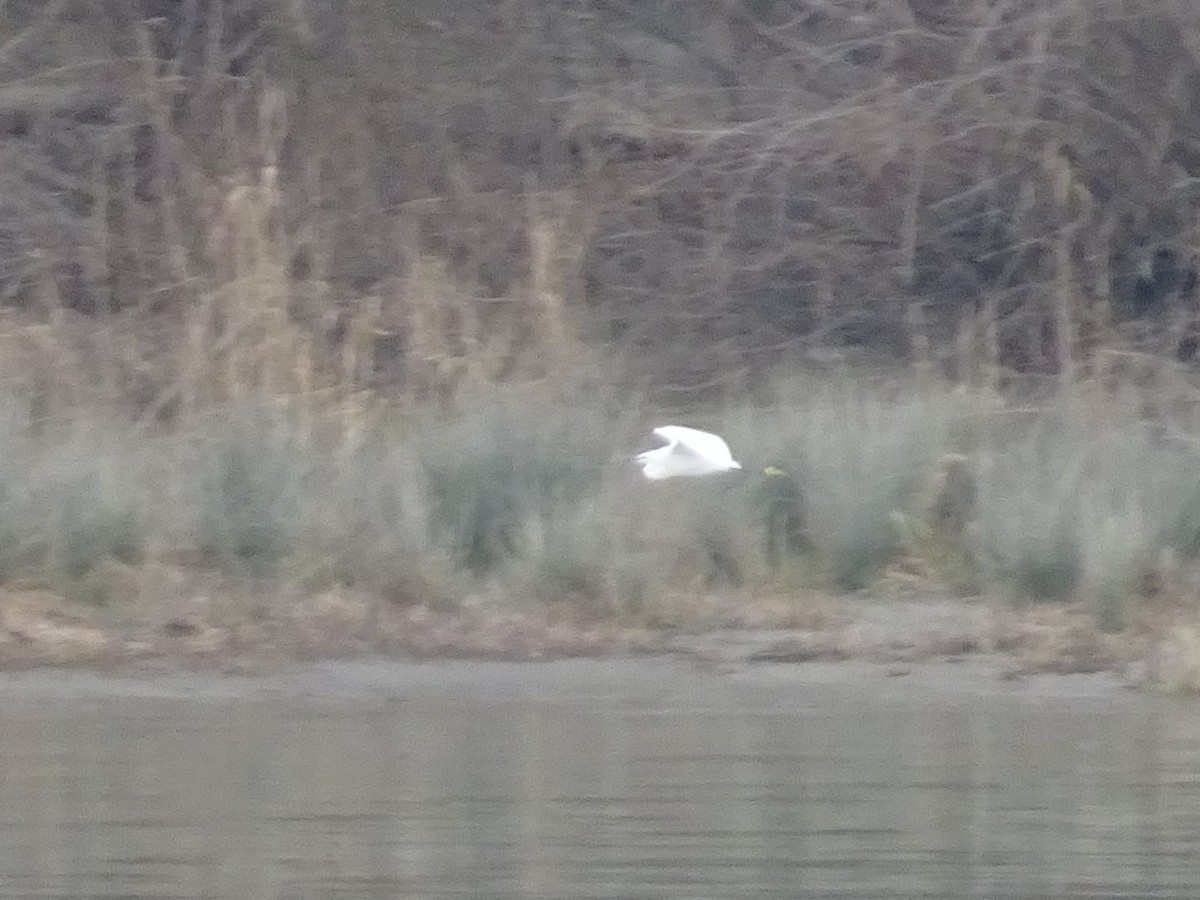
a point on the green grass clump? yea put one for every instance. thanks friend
(364, 521)
(491, 472)
(242, 481)
(1028, 532)
(71, 499)
(1079, 501)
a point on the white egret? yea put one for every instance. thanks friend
(689, 452)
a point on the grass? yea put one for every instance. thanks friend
(525, 503)
(245, 477)
(496, 472)
(68, 502)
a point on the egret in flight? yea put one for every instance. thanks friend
(689, 452)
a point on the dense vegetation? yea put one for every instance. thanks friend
(380, 294)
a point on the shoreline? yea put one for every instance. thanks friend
(653, 683)
(894, 635)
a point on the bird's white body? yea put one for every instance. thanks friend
(688, 453)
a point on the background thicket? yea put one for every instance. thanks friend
(209, 199)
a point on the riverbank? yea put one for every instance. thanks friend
(237, 632)
(915, 522)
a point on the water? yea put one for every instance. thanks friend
(607, 780)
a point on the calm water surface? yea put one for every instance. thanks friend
(607, 780)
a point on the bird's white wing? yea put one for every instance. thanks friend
(675, 438)
(698, 443)
(666, 432)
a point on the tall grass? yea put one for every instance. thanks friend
(1079, 504)
(244, 477)
(69, 501)
(528, 500)
(492, 472)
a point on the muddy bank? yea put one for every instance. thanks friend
(260, 635)
(659, 682)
